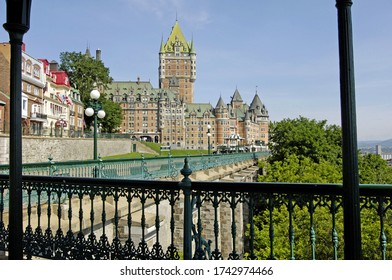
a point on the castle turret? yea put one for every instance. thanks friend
(192, 54)
(161, 63)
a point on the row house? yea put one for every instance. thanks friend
(62, 103)
(50, 106)
(33, 84)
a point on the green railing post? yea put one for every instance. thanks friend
(52, 167)
(185, 185)
(169, 165)
(142, 164)
(100, 167)
(352, 220)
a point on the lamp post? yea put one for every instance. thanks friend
(95, 108)
(18, 23)
(238, 137)
(209, 136)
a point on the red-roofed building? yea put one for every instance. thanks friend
(62, 103)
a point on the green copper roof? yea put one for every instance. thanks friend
(162, 48)
(137, 88)
(220, 103)
(199, 109)
(258, 106)
(237, 96)
(192, 47)
(176, 39)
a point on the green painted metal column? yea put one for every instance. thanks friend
(18, 23)
(352, 221)
(185, 185)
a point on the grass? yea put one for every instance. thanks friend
(129, 155)
(157, 148)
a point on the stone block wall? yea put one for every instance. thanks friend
(38, 149)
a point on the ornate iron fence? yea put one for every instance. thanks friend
(89, 218)
(141, 168)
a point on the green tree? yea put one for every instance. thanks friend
(305, 138)
(86, 73)
(304, 170)
(113, 118)
(309, 151)
(374, 170)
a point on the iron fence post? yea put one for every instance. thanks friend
(18, 23)
(352, 223)
(185, 185)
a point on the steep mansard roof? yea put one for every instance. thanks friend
(177, 38)
(199, 109)
(139, 88)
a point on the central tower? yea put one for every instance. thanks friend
(177, 65)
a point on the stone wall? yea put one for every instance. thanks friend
(38, 149)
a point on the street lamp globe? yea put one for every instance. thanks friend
(89, 112)
(94, 94)
(101, 114)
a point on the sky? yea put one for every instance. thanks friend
(285, 50)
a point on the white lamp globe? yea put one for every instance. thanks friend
(209, 126)
(101, 114)
(89, 112)
(94, 94)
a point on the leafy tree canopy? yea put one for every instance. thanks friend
(309, 151)
(305, 138)
(113, 118)
(374, 170)
(86, 73)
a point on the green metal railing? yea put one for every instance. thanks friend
(141, 168)
(98, 218)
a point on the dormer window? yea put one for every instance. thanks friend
(28, 67)
(36, 72)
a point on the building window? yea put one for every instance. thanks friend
(28, 67)
(36, 72)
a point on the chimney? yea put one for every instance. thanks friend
(54, 66)
(98, 55)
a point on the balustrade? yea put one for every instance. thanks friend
(98, 218)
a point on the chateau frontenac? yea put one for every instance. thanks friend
(168, 114)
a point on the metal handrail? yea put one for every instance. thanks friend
(100, 218)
